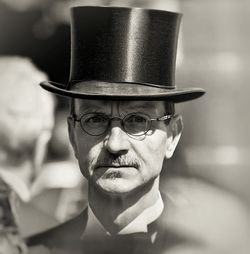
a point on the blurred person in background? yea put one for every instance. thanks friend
(116, 73)
(27, 120)
(26, 123)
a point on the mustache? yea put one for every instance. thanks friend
(117, 161)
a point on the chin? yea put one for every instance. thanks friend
(116, 187)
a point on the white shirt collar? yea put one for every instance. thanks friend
(139, 224)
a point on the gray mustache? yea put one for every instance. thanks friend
(120, 161)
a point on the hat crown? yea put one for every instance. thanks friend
(122, 53)
(128, 45)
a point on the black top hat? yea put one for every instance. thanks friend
(123, 53)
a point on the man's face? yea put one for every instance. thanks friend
(116, 162)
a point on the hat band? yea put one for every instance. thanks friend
(73, 82)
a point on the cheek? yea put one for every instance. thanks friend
(87, 153)
(152, 151)
(157, 144)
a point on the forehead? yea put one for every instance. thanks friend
(82, 105)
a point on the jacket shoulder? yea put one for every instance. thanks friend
(61, 235)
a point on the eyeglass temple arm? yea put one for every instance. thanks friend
(163, 118)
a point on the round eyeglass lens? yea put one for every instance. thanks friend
(136, 124)
(94, 124)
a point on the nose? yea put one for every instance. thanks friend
(117, 141)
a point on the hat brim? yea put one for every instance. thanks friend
(94, 90)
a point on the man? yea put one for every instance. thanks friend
(122, 125)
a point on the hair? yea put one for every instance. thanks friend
(25, 109)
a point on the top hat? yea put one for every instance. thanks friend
(122, 53)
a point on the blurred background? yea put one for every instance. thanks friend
(213, 53)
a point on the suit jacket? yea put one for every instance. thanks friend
(198, 218)
(66, 238)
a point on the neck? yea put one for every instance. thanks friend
(117, 211)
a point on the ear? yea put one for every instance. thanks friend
(175, 129)
(71, 130)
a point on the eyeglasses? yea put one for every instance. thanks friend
(135, 124)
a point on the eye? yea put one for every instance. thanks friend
(94, 120)
(136, 124)
(94, 124)
(136, 119)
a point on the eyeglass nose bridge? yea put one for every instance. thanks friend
(116, 118)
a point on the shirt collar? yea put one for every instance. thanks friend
(138, 225)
